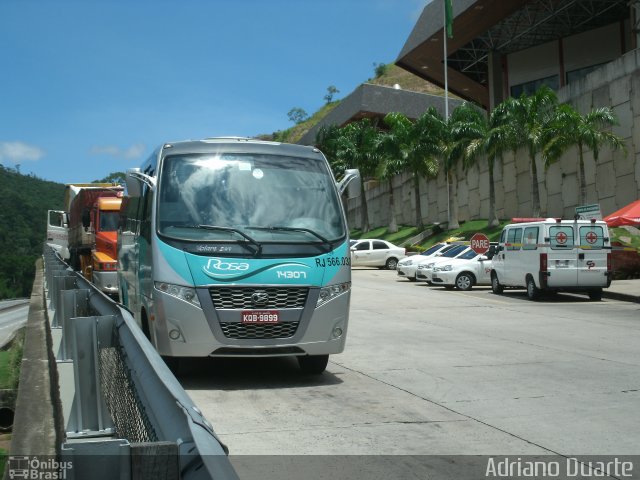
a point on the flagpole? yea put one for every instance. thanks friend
(446, 75)
(446, 97)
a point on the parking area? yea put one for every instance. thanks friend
(433, 372)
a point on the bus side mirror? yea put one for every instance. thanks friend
(134, 181)
(134, 186)
(350, 183)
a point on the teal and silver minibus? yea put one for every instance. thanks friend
(237, 247)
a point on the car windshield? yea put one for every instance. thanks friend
(265, 197)
(432, 250)
(454, 251)
(468, 256)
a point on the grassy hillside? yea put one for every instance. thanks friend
(388, 76)
(23, 210)
(408, 81)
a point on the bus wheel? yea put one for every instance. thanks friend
(533, 292)
(315, 364)
(595, 295)
(145, 325)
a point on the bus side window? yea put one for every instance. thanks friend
(145, 208)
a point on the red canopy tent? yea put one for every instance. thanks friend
(629, 215)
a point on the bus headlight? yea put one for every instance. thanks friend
(187, 294)
(332, 291)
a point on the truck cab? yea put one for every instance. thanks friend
(104, 218)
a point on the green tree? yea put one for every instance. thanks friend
(417, 146)
(328, 141)
(569, 128)
(389, 167)
(331, 91)
(297, 115)
(357, 147)
(114, 177)
(490, 139)
(529, 118)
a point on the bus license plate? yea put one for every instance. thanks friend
(260, 316)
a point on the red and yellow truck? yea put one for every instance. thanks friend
(90, 222)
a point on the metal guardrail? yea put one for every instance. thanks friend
(126, 405)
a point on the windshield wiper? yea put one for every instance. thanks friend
(251, 240)
(294, 229)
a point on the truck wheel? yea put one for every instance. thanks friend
(464, 281)
(315, 364)
(496, 288)
(595, 295)
(533, 292)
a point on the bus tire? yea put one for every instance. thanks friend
(315, 364)
(145, 325)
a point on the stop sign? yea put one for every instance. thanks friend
(479, 243)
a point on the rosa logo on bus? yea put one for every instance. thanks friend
(222, 268)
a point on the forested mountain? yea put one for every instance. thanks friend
(24, 201)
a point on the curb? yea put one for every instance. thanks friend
(625, 297)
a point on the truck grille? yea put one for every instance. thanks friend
(243, 330)
(243, 297)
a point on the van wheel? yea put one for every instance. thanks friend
(533, 292)
(391, 263)
(595, 295)
(496, 288)
(315, 364)
(465, 281)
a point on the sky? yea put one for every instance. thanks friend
(90, 87)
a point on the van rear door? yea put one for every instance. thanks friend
(592, 255)
(562, 256)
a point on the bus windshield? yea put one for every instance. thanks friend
(269, 198)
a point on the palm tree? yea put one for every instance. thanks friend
(570, 128)
(328, 141)
(357, 147)
(528, 119)
(462, 130)
(389, 167)
(490, 137)
(416, 145)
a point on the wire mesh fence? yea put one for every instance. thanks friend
(125, 406)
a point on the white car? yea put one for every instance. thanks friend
(423, 274)
(465, 271)
(375, 253)
(407, 267)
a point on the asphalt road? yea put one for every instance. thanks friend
(434, 372)
(13, 316)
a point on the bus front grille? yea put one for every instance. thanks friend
(258, 298)
(263, 331)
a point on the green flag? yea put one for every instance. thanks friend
(448, 15)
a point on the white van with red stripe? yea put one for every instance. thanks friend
(553, 255)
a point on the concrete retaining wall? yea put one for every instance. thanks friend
(613, 182)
